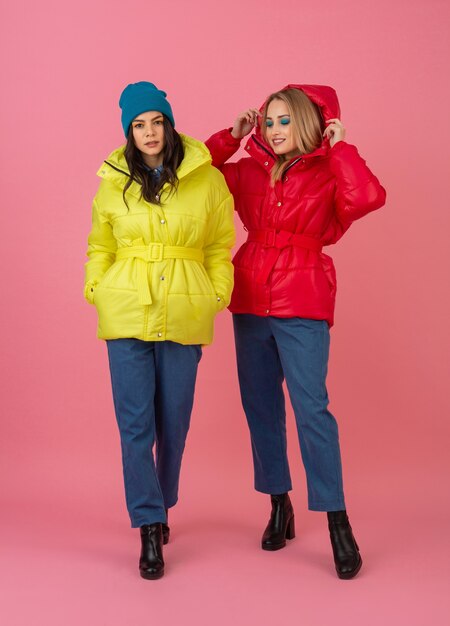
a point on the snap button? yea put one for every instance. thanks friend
(163, 221)
(278, 203)
(267, 310)
(218, 299)
(162, 277)
(266, 162)
(157, 198)
(159, 334)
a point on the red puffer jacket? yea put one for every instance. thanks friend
(281, 270)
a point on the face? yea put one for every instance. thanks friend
(278, 131)
(148, 135)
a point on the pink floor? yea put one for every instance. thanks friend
(66, 562)
(69, 558)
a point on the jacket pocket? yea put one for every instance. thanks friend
(105, 281)
(108, 277)
(191, 317)
(119, 313)
(330, 273)
(219, 300)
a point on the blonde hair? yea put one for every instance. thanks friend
(307, 125)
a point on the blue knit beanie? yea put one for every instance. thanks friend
(141, 97)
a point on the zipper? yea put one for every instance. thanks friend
(262, 146)
(271, 155)
(116, 168)
(291, 165)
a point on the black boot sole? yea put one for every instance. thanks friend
(150, 576)
(352, 574)
(272, 548)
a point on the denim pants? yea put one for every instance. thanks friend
(153, 389)
(268, 350)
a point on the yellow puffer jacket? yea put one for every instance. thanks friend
(161, 272)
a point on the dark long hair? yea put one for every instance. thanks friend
(173, 154)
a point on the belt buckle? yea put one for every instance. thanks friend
(155, 252)
(282, 239)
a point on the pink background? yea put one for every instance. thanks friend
(68, 555)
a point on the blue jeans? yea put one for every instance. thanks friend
(153, 388)
(268, 350)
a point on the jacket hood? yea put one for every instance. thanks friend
(115, 167)
(326, 99)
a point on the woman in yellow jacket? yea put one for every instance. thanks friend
(159, 270)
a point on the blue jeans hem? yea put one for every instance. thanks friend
(274, 490)
(159, 520)
(336, 505)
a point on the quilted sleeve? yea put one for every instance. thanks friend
(358, 191)
(222, 146)
(101, 252)
(217, 250)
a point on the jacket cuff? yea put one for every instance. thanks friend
(89, 291)
(340, 145)
(230, 140)
(221, 302)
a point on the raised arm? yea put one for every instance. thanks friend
(225, 143)
(358, 191)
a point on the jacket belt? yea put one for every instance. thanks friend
(275, 241)
(153, 253)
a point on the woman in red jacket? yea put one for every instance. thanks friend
(301, 189)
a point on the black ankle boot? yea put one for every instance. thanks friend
(281, 524)
(166, 530)
(151, 563)
(345, 549)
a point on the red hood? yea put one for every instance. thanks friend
(322, 95)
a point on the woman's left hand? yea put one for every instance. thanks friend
(335, 131)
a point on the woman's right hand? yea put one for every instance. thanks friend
(245, 122)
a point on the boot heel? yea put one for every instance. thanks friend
(290, 530)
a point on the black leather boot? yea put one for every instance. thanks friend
(345, 549)
(166, 530)
(281, 524)
(151, 563)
